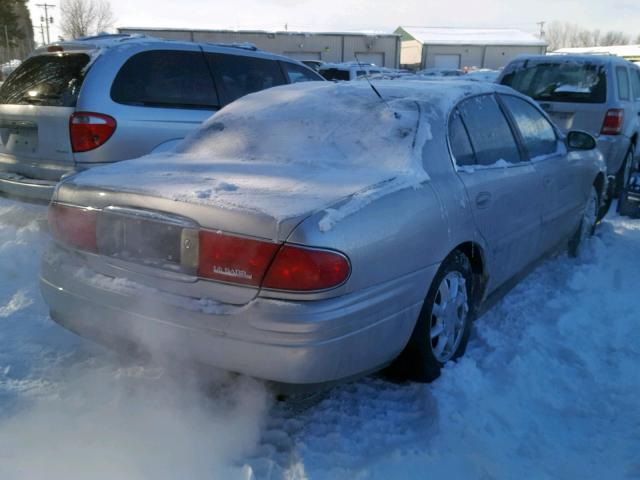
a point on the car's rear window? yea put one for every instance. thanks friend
(335, 74)
(47, 80)
(167, 79)
(569, 81)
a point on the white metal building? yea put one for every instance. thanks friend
(380, 49)
(454, 48)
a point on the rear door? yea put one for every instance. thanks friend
(36, 102)
(559, 172)
(503, 187)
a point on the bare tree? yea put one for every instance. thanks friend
(561, 35)
(80, 18)
(615, 38)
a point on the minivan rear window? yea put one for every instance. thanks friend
(570, 81)
(46, 80)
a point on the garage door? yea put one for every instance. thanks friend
(447, 61)
(377, 58)
(303, 55)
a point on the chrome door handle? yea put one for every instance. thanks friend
(483, 199)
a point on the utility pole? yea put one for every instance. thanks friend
(42, 33)
(541, 23)
(47, 19)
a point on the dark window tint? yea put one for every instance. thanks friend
(635, 83)
(239, 75)
(623, 83)
(489, 131)
(537, 133)
(558, 82)
(298, 73)
(459, 140)
(165, 78)
(335, 74)
(49, 80)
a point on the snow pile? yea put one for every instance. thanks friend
(295, 149)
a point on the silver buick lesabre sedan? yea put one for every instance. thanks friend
(315, 232)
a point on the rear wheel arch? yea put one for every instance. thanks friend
(476, 256)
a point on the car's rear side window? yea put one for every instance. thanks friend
(459, 141)
(623, 83)
(335, 74)
(565, 81)
(239, 75)
(538, 135)
(635, 83)
(490, 133)
(166, 78)
(47, 80)
(298, 73)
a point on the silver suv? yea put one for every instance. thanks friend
(599, 94)
(75, 105)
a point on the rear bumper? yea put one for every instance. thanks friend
(613, 148)
(15, 185)
(284, 341)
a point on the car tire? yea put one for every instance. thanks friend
(587, 225)
(442, 331)
(622, 177)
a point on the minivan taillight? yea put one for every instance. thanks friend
(613, 121)
(74, 226)
(256, 263)
(89, 130)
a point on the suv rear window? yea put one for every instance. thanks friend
(166, 78)
(569, 81)
(47, 80)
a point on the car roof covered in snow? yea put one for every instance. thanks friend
(593, 58)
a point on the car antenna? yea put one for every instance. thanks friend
(366, 77)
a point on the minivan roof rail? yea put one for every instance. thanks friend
(241, 45)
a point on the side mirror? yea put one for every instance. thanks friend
(578, 140)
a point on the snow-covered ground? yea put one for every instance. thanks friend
(549, 388)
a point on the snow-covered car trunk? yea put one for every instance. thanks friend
(237, 181)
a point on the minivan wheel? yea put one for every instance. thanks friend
(442, 330)
(587, 225)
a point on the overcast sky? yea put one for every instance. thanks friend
(381, 15)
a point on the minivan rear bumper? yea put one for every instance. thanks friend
(14, 185)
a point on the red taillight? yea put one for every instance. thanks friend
(306, 269)
(234, 259)
(74, 226)
(256, 263)
(90, 130)
(613, 121)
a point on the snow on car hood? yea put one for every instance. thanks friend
(291, 150)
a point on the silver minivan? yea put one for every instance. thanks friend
(75, 105)
(596, 93)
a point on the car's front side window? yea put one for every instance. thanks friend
(490, 133)
(240, 75)
(538, 135)
(299, 74)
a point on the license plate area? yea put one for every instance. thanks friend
(148, 238)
